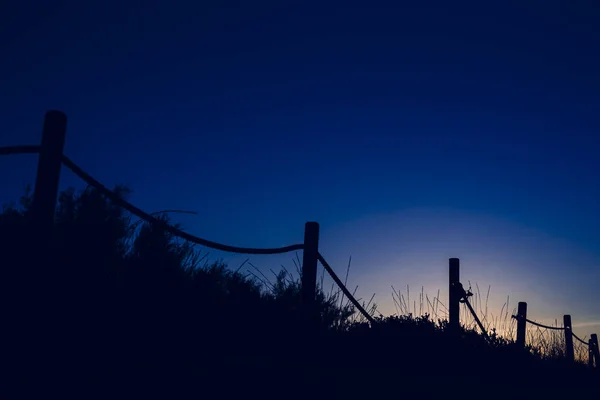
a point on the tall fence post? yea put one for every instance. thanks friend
(454, 300)
(309, 265)
(568, 338)
(521, 324)
(590, 353)
(595, 350)
(43, 287)
(48, 175)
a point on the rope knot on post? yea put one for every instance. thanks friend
(462, 293)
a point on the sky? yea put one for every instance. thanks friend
(411, 132)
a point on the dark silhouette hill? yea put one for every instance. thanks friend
(120, 306)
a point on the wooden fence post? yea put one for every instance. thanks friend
(48, 175)
(44, 307)
(568, 338)
(309, 265)
(521, 324)
(454, 300)
(590, 353)
(595, 350)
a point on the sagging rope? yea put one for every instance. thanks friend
(345, 290)
(538, 324)
(576, 337)
(556, 328)
(161, 212)
(464, 298)
(169, 228)
(33, 149)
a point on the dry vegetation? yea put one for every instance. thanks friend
(124, 301)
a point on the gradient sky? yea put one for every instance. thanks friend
(411, 132)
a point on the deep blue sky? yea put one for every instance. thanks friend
(426, 130)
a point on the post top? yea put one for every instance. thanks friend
(454, 262)
(56, 117)
(55, 113)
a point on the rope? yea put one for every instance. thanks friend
(171, 229)
(19, 150)
(540, 325)
(136, 223)
(576, 337)
(483, 331)
(345, 290)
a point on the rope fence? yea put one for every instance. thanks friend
(345, 290)
(207, 243)
(51, 158)
(560, 343)
(464, 298)
(169, 228)
(556, 328)
(573, 349)
(580, 340)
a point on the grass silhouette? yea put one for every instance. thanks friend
(116, 300)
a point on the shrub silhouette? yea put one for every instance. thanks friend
(118, 297)
(130, 291)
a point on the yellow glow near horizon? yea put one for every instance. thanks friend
(412, 248)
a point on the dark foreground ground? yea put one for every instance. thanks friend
(365, 366)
